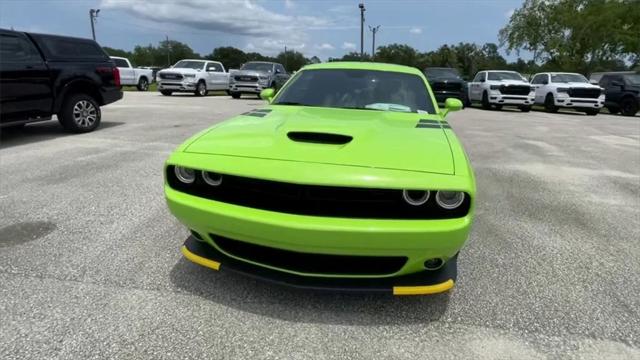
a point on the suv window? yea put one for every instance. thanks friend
(281, 69)
(121, 63)
(17, 49)
(479, 76)
(214, 67)
(70, 48)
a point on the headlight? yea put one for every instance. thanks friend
(185, 175)
(564, 90)
(495, 87)
(264, 78)
(532, 88)
(449, 199)
(415, 197)
(189, 75)
(212, 179)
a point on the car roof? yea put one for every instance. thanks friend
(361, 65)
(196, 60)
(511, 71)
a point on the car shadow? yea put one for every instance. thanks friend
(41, 131)
(290, 304)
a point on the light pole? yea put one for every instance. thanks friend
(168, 51)
(362, 10)
(93, 14)
(374, 30)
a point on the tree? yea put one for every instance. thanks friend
(177, 51)
(575, 35)
(398, 54)
(230, 57)
(146, 55)
(352, 56)
(117, 52)
(292, 60)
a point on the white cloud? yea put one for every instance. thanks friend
(416, 30)
(238, 17)
(348, 45)
(325, 46)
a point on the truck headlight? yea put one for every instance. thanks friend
(495, 87)
(189, 75)
(564, 90)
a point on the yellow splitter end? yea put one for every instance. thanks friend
(199, 259)
(423, 290)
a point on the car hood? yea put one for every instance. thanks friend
(445, 79)
(509, 82)
(365, 138)
(578, 85)
(181, 70)
(251, 73)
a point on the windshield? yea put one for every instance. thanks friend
(263, 67)
(504, 75)
(357, 89)
(565, 78)
(187, 64)
(441, 73)
(633, 79)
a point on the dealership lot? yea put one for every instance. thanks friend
(90, 263)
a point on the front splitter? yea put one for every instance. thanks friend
(422, 283)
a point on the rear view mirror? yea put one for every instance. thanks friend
(267, 94)
(451, 104)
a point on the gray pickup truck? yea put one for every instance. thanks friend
(256, 76)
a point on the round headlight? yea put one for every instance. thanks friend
(212, 179)
(415, 197)
(449, 199)
(185, 175)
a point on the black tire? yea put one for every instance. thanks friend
(80, 113)
(549, 104)
(485, 101)
(166, 92)
(235, 95)
(525, 108)
(201, 89)
(497, 107)
(143, 84)
(591, 112)
(613, 110)
(629, 106)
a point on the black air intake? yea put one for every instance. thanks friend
(319, 138)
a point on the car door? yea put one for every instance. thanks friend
(540, 83)
(281, 75)
(216, 76)
(613, 88)
(25, 83)
(475, 87)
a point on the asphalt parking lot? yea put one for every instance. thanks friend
(90, 264)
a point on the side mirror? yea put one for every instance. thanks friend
(278, 71)
(545, 82)
(481, 80)
(451, 104)
(267, 94)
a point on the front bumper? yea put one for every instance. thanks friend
(572, 102)
(495, 97)
(422, 283)
(176, 85)
(246, 87)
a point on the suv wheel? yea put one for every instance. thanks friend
(201, 89)
(485, 101)
(235, 95)
(628, 106)
(80, 113)
(166, 92)
(613, 110)
(591, 112)
(525, 108)
(143, 84)
(549, 104)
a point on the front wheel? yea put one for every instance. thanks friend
(549, 104)
(485, 101)
(629, 107)
(166, 92)
(235, 95)
(201, 89)
(591, 112)
(525, 108)
(80, 113)
(143, 84)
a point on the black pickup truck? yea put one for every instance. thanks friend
(45, 75)
(622, 92)
(447, 83)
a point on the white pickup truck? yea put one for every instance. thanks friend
(495, 88)
(130, 76)
(567, 90)
(196, 76)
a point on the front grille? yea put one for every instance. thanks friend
(315, 200)
(170, 76)
(584, 93)
(311, 263)
(446, 86)
(246, 78)
(515, 89)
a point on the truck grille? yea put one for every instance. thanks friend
(446, 86)
(246, 78)
(315, 200)
(515, 89)
(311, 263)
(170, 76)
(584, 93)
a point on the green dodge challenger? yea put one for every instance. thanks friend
(349, 179)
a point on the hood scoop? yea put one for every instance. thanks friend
(319, 137)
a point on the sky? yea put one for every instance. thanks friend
(323, 28)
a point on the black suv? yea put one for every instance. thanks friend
(622, 93)
(42, 75)
(446, 83)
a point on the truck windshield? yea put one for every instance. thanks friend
(441, 73)
(188, 64)
(633, 79)
(504, 75)
(357, 89)
(262, 67)
(566, 78)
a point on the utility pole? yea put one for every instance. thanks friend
(362, 10)
(168, 51)
(93, 15)
(374, 30)
(285, 57)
